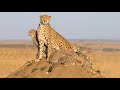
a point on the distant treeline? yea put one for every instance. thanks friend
(111, 49)
(104, 49)
(17, 46)
(33, 46)
(102, 40)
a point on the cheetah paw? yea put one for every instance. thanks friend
(37, 60)
(47, 60)
(47, 72)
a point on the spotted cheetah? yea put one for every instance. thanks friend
(48, 36)
(88, 57)
(67, 58)
(33, 34)
(64, 58)
(85, 58)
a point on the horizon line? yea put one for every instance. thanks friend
(67, 39)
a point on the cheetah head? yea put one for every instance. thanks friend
(32, 33)
(77, 49)
(90, 55)
(45, 19)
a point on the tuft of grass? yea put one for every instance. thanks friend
(43, 68)
(78, 53)
(33, 70)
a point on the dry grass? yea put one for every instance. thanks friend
(13, 58)
(107, 62)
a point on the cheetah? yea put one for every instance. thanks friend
(87, 56)
(33, 34)
(67, 58)
(64, 58)
(48, 36)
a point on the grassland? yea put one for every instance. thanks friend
(14, 55)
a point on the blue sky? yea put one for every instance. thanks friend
(72, 25)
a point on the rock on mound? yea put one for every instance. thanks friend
(36, 70)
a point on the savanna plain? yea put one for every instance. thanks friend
(14, 54)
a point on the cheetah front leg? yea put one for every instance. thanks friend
(49, 50)
(83, 63)
(40, 51)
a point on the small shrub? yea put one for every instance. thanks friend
(43, 68)
(78, 53)
(33, 70)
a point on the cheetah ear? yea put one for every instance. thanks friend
(40, 16)
(49, 16)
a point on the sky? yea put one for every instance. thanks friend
(71, 25)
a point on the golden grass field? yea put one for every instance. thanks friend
(107, 60)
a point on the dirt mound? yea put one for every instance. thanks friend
(37, 70)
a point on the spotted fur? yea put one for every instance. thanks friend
(48, 36)
(64, 58)
(67, 58)
(88, 57)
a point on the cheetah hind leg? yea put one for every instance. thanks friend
(54, 65)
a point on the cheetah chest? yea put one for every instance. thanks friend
(43, 33)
